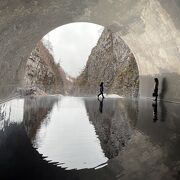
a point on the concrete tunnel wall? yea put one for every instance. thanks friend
(151, 28)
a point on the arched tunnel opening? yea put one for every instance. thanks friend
(75, 58)
(54, 124)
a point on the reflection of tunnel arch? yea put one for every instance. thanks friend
(149, 27)
(26, 162)
(19, 160)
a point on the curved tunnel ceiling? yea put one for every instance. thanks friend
(151, 28)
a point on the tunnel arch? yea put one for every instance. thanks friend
(149, 27)
(81, 56)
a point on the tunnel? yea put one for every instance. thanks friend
(139, 139)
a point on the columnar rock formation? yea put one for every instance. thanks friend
(112, 62)
(42, 72)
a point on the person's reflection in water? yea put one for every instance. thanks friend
(101, 105)
(163, 109)
(155, 112)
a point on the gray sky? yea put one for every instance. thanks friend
(72, 44)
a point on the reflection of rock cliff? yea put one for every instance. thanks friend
(36, 111)
(110, 61)
(112, 126)
(42, 72)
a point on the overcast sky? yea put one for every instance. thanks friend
(72, 44)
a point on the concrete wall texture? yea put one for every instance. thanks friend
(151, 28)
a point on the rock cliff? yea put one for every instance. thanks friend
(112, 62)
(42, 71)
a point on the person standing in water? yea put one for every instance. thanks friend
(155, 93)
(101, 90)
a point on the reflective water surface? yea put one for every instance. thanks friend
(58, 137)
(69, 137)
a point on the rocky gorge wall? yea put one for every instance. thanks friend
(112, 62)
(41, 71)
